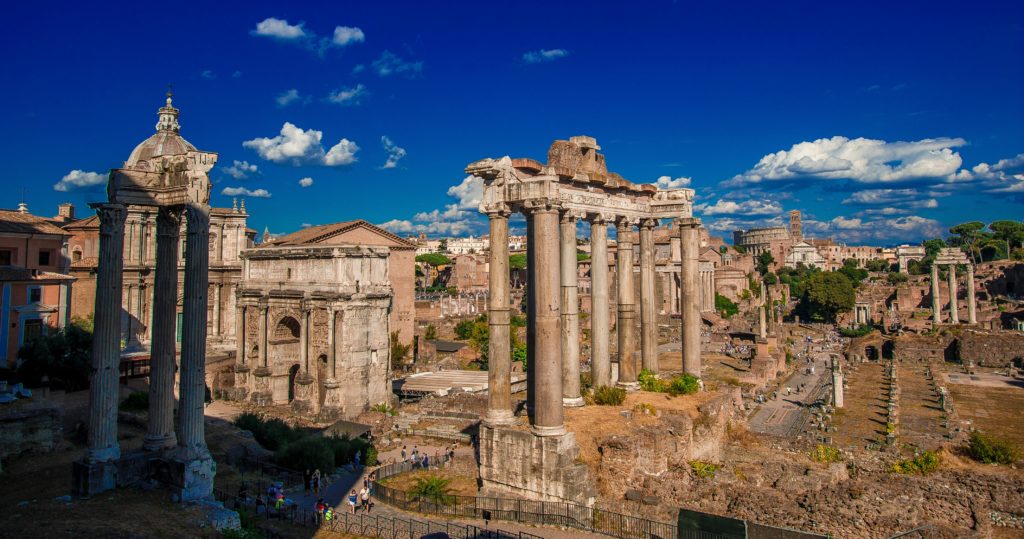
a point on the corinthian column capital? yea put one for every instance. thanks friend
(168, 222)
(197, 218)
(496, 210)
(112, 217)
(648, 223)
(541, 205)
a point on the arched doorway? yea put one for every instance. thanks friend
(871, 353)
(292, 373)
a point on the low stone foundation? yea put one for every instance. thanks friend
(536, 467)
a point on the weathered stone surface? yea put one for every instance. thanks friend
(28, 427)
(537, 467)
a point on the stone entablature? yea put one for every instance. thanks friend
(315, 316)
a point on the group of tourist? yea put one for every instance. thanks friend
(422, 460)
(311, 481)
(361, 499)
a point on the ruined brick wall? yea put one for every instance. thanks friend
(924, 348)
(991, 350)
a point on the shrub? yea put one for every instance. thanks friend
(826, 453)
(586, 381)
(432, 488)
(384, 408)
(65, 357)
(517, 321)
(703, 469)
(685, 384)
(645, 408)
(609, 396)
(856, 332)
(649, 381)
(430, 333)
(138, 401)
(307, 453)
(925, 463)
(991, 450)
(726, 307)
(272, 434)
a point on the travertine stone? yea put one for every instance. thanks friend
(191, 432)
(537, 467)
(837, 382)
(936, 317)
(689, 239)
(101, 442)
(570, 312)
(648, 316)
(544, 347)
(972, 315)
(954, 315)
(626, 326)
(499, 397)
(160, 434)
(762, 323)
(600, 362)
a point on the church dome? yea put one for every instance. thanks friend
(166, 140)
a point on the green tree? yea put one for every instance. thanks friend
(431, 333)
(877, 265)
(852, 272)
(398, 350)
(65, 357)
(434, 259)
(1009, 232)
(517, 261)
(827, 294)
(764, 262)
(725, 306)
(770, 278)
(967, 236)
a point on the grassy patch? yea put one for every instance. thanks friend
(704, 469)
(825, 453)
(136, 402)
(924, 463)
(609, 396)
(991, 450)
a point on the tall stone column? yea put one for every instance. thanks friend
(262, 337)
(303, 401)
(240, 344)
(837, 382)
(648, 314)
(972, 315)
(199, 467)
(499, 362)
(674, 254)
(762, 325)
(570, 312)
(101, 444)
(160, 433)
(689, 239)
(626, 325)
(544, 348)
(954, 316)
(936, 317)
(332, 366)
(216, 309)
(600, 362)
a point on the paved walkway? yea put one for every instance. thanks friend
(778, 416)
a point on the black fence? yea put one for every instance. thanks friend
(564, 514)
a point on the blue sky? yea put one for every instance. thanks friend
(884, 122)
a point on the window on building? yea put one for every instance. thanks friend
(35, 294)
(33, 329)
(6, 257)
(44, 258)
(76, 256)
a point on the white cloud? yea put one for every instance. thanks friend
(344, 35)
(745, 207)
(860, 160)
(459, 218)
(667, 182)
(297, 146)
(342, 153)
(79, 178)
(389, 64)
(544, 55)
(207, 74)
(279, 29)
(1002, 177)
(306, 182)
(395, 153)
(242, 191)
(359, 68)
(240, 169)
(348, 96)
(288, 97)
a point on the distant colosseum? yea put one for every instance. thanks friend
(758, 240)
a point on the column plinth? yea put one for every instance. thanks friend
(570, 312)
(499, 367)
(689, 240)
(160, 434)
(648, 316)
(600, 361)
(626, 324)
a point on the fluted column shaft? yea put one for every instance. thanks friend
(674, 254)
(600, 362)
(240, 344)
(936, 317)
(191, 431)
(648, 316)
(216, 309)
(954, 316)
(261, 337)
(160, 434)
(972, 315)
(499, 360)
(332, 366)
(570, 312)
(544, 348)
(626, 325)
(304, 341)
(106, 344)
(689, 240)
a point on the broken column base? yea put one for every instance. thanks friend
(91, 478)
(334, 395)
(542, 468)
(302, 404)
(192, 480)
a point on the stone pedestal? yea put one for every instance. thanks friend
(192, 478)
(334, 394)
(240, 390)
(302, 403)
(535, 467)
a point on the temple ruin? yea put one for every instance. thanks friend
(574, 184)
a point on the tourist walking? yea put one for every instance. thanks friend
(352, 498)
(316, 482)
(404, 456)
(364, 496)
(307, 479)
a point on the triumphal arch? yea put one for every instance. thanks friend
(574, 184)
(167, 173)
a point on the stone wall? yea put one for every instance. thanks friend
(536, 467)
(28, 426)
(991, 350)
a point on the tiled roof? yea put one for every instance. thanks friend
(316, 234)
(18, 273)
(15, 222)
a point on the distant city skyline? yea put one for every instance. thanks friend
(884, 125)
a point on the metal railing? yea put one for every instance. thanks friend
(537, 513)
